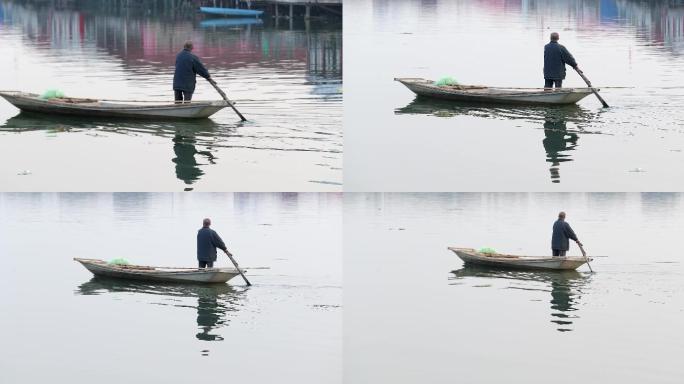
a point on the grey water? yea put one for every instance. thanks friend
(632, 50)
(286, 78)
(60, 324)
(414, 313)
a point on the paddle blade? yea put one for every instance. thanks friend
(585, 258)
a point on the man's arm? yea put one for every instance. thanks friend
(199, 68)
(567, 57)
(571, 234)
(218, 242)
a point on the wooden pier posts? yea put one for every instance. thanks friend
(295, 8)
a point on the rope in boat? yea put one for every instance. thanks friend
(468, 87)
(129, 101)
(594, 86)
(149, 267)
(159, 101)
(145, 271)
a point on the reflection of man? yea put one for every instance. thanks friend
(207, 242)
(560, 296)
(187, 167)
(187, 67)
(562, 232)
(557, 140)
(209, 313)
(561, 302)
(555, 58)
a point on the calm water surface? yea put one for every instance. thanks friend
(413, 313)
(59, 323)
(286, 78)
(395, 142)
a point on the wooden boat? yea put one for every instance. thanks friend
(231, 11)
(484, 94)
(30, 102)
(158, 274)
(471, 256)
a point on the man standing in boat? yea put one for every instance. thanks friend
(187, 67)
(207, 242)
(555, 58)
(562, 233)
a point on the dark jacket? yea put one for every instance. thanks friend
(187, 66)
(207, 242)
(561, 233)
(555, 58)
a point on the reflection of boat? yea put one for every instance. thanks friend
(571, 113)
(559, 139)
(29, 121)
(230, 11)
(193, 140)
(477, 93)
(565, 287)
(162, 274)
(448, 108)
(214, 301)
(471, 256)
(99, 285)
(230, 22)
(516, 274)
(90, 107)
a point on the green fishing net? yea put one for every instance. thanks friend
(446, 81)
(487, 250)
(119, 261)
(52, 94)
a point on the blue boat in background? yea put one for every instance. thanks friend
(231, 11)
(232, 22)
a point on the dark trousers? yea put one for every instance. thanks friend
(206, 264)
(180, 95)
(558, 252)
(549, 83)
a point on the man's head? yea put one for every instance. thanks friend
(554, 36)
(206, 222)
(561, 215)
(188, 45)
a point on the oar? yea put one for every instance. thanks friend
(605, 105)
(238, 268)
(223, 94)
(585, 257)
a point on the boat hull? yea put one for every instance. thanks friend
(231, 11)
(193, 110)
(473, 257)
(560, 96)
(152, 274)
